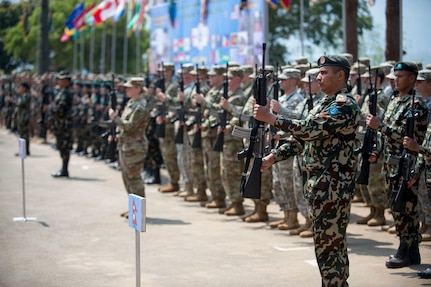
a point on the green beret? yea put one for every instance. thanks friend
(406, 66)
(333, 60)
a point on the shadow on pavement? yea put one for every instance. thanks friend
(166, 221)
(85, 178)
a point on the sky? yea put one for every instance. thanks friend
(416, 27)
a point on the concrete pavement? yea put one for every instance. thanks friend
(79, 239)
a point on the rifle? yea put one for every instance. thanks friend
(147, 75)
(406, 167)
(310, 95)
(370, 136)
(218, 145)
(198, 115)
(160, 128)
(251, 188)
(179, 136)
(276, 89)
(359, 80)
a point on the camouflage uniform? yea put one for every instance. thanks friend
(393, 131)
(22, 116)
(423, 165)
(328, 132)
(133, 144)
(61, 125)
(167, 144)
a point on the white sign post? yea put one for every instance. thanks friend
(137, 220)
(22, 153)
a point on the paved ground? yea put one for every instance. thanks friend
(79, 239)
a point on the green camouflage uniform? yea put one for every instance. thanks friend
(61, 123)
(393, 130)
(22, 116)
(423, 165)
(329, 133)
(133, 144)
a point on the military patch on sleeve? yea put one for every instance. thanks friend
(333, 111)
(341, 98)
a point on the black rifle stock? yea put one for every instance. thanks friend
(197, 138)
(369, 138)
(406, 167)
(179, 136)
(359, 80)
(218, 145)
(251, 188)
(160, 128)
(310, 94)
(147, 75)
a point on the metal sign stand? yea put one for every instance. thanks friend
(22, 154)
(137, 220)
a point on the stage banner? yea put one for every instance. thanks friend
(207, 32)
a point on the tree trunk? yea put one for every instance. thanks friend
(351, 26)
(44, 63)
(393, 30)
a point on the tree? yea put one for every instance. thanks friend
(393, 34)
(323, 26)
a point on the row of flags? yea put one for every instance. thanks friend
(96, 14)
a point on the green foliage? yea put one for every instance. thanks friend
(322, 26)
(19, 46)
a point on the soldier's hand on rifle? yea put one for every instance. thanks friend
(372, 158)
(160, 120)
(275, 106)
(373, 121)
(263, 113)
(224, 103)
(112, 114)
(267, 161)
(160, 95)
(199, 98)
(411, 144)
(413, 180)
(181, 96)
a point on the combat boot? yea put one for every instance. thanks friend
(188, 190)
(364, 220)
(236, 209)
(275, 224)
(307, 226)
(401, 258)
(426, 236)
(423, 228)
(216, 204)
(199, 196)
(223, 209)
(378, 217)
(292, 221)
(414, 255)
(170, 187)
(261, 215)
(255, 202)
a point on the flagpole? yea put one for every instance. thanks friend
(125, 51)
(138, 51)
(75, 48)
(91, 63)
(113, 42)
(39, 21)
(82, 52)
(102, 54)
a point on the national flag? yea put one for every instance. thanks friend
(65, 37)
(243, 5)
(371, 2)
(75, 13)
(140, 21)
(204, 11)
(121, 8)
(79, 21)
(105, 10)
(273, 3)
(285, 4)
(172, 12)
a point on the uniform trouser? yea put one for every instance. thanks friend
(298, 187)
(183, 158)
(169, 153)
(374, 193)
(231, 169)
(64, 145)
(132, 165)
(197, 166)
(212, 169)
(424, 200)
(330, 219)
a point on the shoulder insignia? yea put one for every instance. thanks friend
(333, 111)
(341, 98)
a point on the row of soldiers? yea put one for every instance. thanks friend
(194, 103)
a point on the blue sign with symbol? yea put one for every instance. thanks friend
(137, 212)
